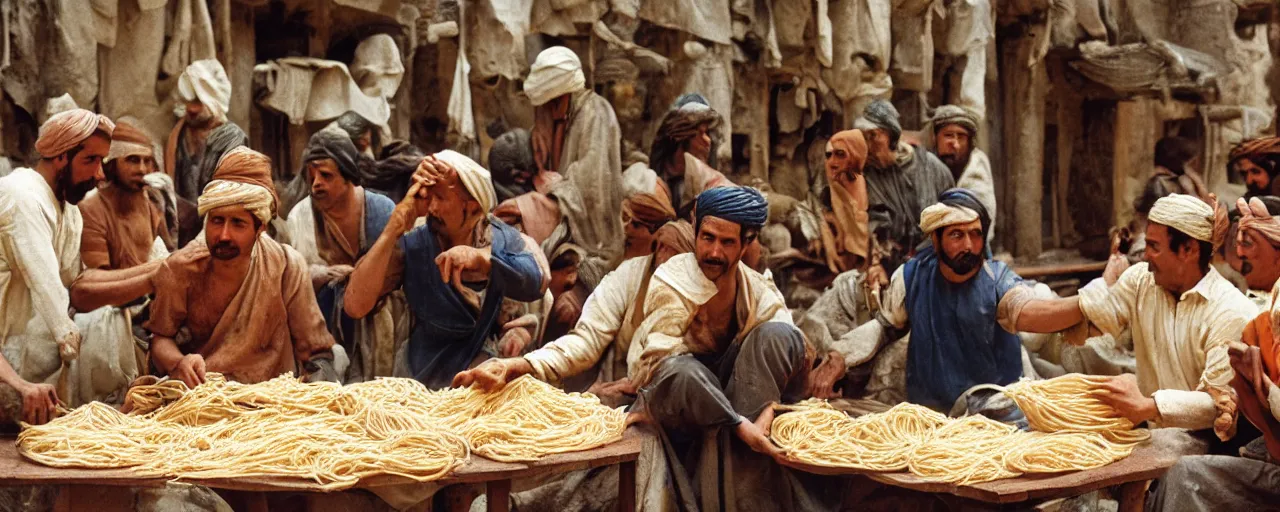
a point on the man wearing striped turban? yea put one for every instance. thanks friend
(954, 135)
(1182, 315)
(684, 149)
(1258, 162)
(122, 225)
(576, 135)
(40, 231)
(235, 301)
(455, 270)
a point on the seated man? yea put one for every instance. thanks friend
(122, 225)
(455, 270)
(332, 227)
(609, 320)
(40, 257)
(249, 312)
(966, 331)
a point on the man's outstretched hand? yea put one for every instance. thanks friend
(493, 374)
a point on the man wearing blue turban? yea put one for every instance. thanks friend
(717, 348)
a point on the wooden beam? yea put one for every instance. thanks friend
(1026, 85)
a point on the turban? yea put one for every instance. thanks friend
(472, 176)
(1261, 146)
(741, 205)
(556, 72)
(956, 206)
(677, 235)
(952, 114)
(205, 81)
(649, 209)
(127, 140)
(681, 123)
(243, 179)
(337, 146)
(1255, 216)
(66, 130)
(1192, 216)
(880, 115)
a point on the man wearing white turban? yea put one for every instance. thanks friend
(455, 270)
(576, 135)
(235, 301)
(40, 231)
(204, 96)
(1181, 313)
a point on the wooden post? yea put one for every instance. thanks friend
(627, 486)
(1024, 150)
(498, 495)
(1134, 142)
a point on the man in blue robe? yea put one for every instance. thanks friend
(455, 270)
(960, 306)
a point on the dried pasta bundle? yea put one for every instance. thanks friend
(1063, 404)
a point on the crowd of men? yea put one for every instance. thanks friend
(651, 285)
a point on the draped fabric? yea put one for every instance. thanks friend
(956, 341)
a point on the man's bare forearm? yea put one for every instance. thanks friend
(165, 354)
(365, 285)
(96, 288)
(1050, 315)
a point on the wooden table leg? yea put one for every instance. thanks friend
(498, 494)
(1133, 496)
(93, 497)
(627, 486)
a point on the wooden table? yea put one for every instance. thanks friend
(94, 488)
(1132, 474)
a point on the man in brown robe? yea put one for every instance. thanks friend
(121, 223)
(249, 311)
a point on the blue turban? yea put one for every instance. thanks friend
(741, 205)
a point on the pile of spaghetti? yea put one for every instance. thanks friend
(331, 435)
(1072, 431)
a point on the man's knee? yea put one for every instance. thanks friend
(681, 370)
(776, 339)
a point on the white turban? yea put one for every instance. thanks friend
(940, 215)
(472, 176)
(556, 72)
(205, 81)
(1187, 214)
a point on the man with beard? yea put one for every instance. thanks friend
(236, 301)
(689, 128)
(122, 225)
(1208, 482)
(1258, 162)
(204, 94)
(332, 228)
(455, 270)
(966, 333)
(901, 178)
(576, 135)
(955, 130)
(40, 254)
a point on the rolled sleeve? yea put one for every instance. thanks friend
(1193, 410)
(602, 315)
(1108, 308)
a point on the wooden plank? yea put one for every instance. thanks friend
(15, 470)
(1145, 463)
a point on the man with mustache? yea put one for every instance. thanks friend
(332, 228)
(954, 133)
(1258, 162)
(40, 229)
(901, 177)
(954, 300)
(456, 270)
(235, 301)
(204, 94)
(122, 224)
(1208, 482)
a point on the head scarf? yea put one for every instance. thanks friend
(555, 73)
(355, 125)
(472, 176)
(953, 114)
(205, 81)
(677, 235)
(221, 140)
(243, 178)
(127, 140)
(744, 206)
(1192, 216)
(849, 198)
(881, 115)
(854, 144)
(681, 124)
(1262, 146)
(335, 145)
(66, 130)
(956, 206)
(1255, 216)
(649, 209)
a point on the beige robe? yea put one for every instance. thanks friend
(272, 325)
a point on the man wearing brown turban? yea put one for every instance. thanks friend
(121, 223)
